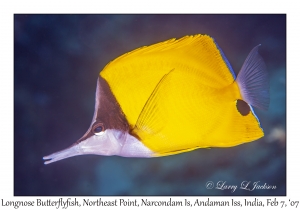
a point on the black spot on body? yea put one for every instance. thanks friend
(242, 107)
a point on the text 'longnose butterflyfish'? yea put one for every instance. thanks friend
(172, 97)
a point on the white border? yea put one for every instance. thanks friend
(8, 8)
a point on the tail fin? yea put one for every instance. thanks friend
(253, 81)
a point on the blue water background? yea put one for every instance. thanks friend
(57, 59)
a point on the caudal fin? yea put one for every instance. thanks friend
(253, 81)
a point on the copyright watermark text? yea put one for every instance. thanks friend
(244, 185)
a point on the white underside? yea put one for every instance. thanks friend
(114, 142)
(110, 142)
(132, 147)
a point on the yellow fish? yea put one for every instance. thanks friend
(172, 97)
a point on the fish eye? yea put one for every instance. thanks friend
(98, 129)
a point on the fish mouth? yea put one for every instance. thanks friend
(63, 154)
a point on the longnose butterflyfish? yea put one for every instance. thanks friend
(172, 97)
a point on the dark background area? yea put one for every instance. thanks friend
(57, 59)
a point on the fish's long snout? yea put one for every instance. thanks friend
(66, 153)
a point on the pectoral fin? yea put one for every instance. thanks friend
(152, 118)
